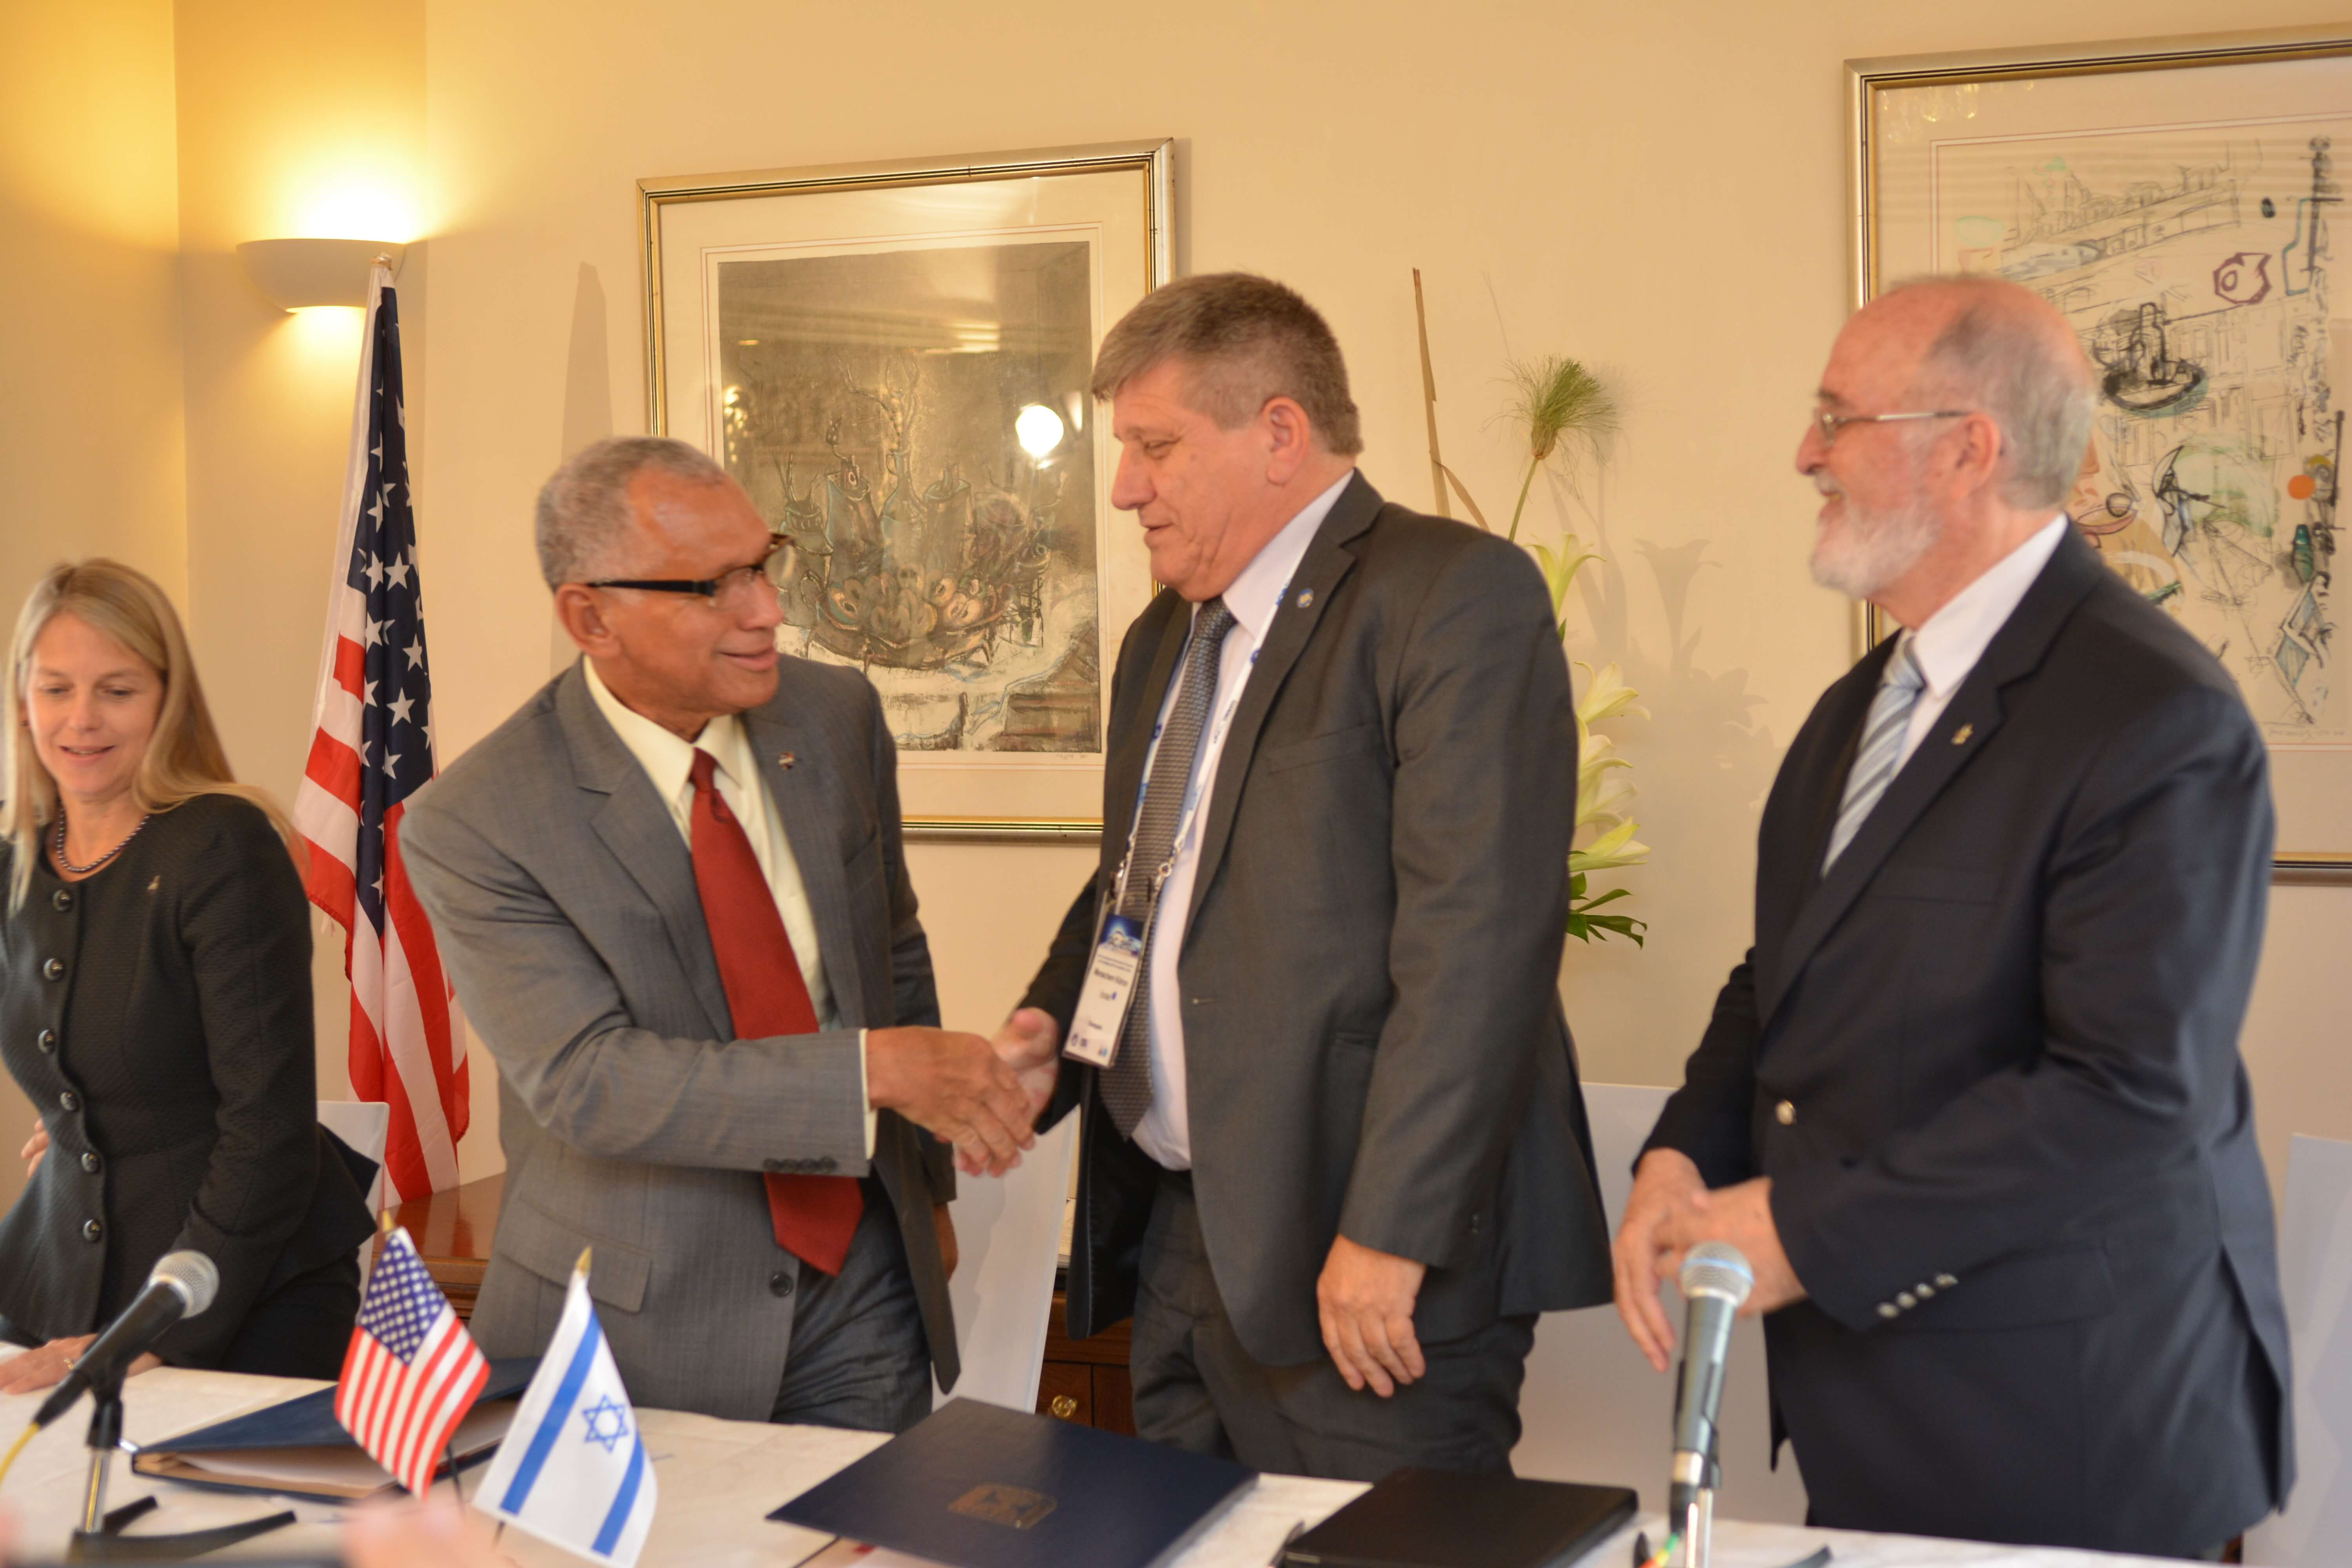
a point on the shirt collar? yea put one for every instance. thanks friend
(1948, 646)
(668, 761)
(1257, 593)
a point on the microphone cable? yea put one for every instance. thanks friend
(15, 1449)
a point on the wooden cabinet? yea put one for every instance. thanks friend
(1087, 1381)
(452, 1230)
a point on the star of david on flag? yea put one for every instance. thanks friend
(574, 1468)
(412, 1372)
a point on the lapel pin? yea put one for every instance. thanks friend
(1960, 736)
(786, 759)
(1305, 598)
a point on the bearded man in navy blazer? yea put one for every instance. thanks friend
(1973, 1106)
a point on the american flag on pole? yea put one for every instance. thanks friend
(371, 749)
(412, 1370)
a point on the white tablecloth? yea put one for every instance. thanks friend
(719, 1478)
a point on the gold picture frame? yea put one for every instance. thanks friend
(2114, 177)
(893, 358)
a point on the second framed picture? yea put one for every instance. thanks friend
(2173, 199)
(893, 361)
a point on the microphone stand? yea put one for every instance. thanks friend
(98, 1538)
(1696, 1525)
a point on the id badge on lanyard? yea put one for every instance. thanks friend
(1109, 990)
(1120, 939)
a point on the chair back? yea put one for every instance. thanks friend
(1593, 1411)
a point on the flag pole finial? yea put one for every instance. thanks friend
(384, 1224)
(581, 1267)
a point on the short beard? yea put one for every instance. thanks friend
(1875, 549)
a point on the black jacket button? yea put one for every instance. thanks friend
(92, 1231)
(48, 1041)
(61, 898)
(71, 1100)
(89, 1163)
(54, 968)
(780, 1282)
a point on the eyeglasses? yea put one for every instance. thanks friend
(1830, 424)
(728, 585)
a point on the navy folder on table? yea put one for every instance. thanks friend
(977, 1486)
(306, 1421)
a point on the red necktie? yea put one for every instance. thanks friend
(814, 1216)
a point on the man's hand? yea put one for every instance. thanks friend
(45, 1366)
(1365, 1300)
(1742, 1216)
(953, 1085)
(34, 1147)
(943, 1223)
(1030, 1043)
(1663, 1185)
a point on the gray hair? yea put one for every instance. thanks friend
(583, 510)
(1246, 340)
(2010, 352)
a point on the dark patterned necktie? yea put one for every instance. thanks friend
(1127, 1083)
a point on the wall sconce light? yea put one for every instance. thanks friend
(298, 273)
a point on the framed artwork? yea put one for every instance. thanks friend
(893, 359)
(2175, 199)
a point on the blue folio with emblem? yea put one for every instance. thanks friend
(977, 1486)
(297, 1449)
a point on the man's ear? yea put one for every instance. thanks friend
(1977, 459)
(583, 618)
(1290, 438)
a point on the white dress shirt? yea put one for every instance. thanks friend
(1165, 1133)
(1955, 636)
(668, 762)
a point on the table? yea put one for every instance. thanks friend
(718, 1479)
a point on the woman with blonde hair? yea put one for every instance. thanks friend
(155, 1008)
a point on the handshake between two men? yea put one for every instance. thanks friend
(982, 1097)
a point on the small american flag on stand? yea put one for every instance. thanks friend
(412, 1370)
(371, 749)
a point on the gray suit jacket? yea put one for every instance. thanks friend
(565, 905)
(1373, 1037)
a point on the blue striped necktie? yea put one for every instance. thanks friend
(1881, 753)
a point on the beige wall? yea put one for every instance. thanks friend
(1656, 189)
(91, 458)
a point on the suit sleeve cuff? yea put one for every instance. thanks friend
(866, 1097)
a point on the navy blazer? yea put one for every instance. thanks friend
(1990, 1063)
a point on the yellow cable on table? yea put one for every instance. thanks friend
(15, 1449)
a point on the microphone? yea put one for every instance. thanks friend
(1715, 1280)
(182, 1285)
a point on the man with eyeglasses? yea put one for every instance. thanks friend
(671, 892)
(1972, 1107)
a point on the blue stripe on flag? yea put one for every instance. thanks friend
(623, 1503)
(551, 1425)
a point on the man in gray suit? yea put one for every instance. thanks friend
(1338, 1161)
(671, 893)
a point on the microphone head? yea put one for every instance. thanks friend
(191, 1273)
(1716, 1269)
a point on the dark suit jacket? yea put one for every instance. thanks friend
(171, 1059)
(633, 1121)
(1990, 1063)
(1373, 1038)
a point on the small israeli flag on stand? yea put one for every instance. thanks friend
(574, 1470)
